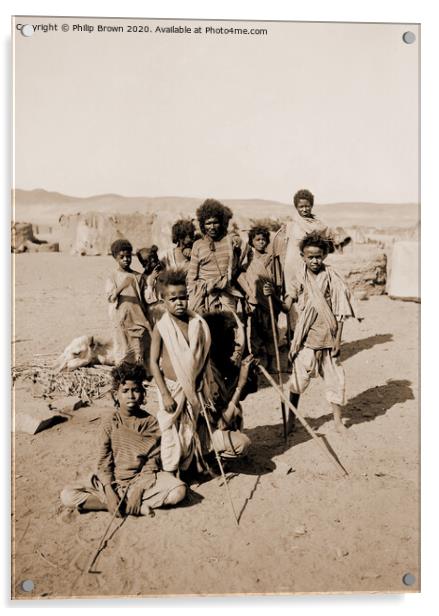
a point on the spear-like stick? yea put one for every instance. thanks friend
(88, 568)
(104, 536)
(279, 374)
(218, 458)
(303, 421)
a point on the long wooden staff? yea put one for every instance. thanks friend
(279, 374)
(88, 568)
(303, 421)
(218, 458)
(104, 536)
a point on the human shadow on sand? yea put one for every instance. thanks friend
(349, 349)
(268, 442)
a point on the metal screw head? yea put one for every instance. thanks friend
(27, 585)
(27, 30)
(409, 37)
(408, 579)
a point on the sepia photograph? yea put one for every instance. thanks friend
(215, 242)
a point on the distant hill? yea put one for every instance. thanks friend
(39, 206)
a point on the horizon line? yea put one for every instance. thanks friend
(221, 198)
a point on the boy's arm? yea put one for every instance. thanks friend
(192, 274)
(232, 407)
(129, 280)
(145, 477)
(105, 467)
(155, 353)
(337, 344)
(114, 291)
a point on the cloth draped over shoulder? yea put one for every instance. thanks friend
(189, 361)
(287, 259)
(342, 305)
(129, 316)
(132, 296)
(174, 258)
(258, 271)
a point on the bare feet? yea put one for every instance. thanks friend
(338, 424)
(340, 427)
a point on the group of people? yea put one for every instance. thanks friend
(195, 320)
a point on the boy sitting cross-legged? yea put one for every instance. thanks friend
(128, 456)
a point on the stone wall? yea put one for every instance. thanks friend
(365, 270)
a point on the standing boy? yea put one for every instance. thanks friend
(183, 236)
(128, 456)
(179, 362)
(149, 260)
(215, 260)
(127, 310)
(257, 284)
(324, 302)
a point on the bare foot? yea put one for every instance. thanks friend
(340, 427)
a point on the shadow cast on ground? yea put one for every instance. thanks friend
(349, 349)
(268, 441)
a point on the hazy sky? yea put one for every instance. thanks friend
(330, 107)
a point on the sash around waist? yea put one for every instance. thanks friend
(123, 299)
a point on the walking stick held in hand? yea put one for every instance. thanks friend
(279, 375)
(218, 458)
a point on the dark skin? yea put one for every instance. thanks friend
(304, 208)
(123, 259)
(260, 243)
(314, 257)
(232, 408)
(130, 396)
(185, 244)
(213, 228)
(175, 299)
(151, 266)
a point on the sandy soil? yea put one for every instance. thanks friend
(307, 530)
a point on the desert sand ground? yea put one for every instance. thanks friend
(301, 530)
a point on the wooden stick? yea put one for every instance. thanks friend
(101, 543)
(303, 421)
(218, 459)
(279, 375)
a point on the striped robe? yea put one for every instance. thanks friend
(213, 263)
(127, 447)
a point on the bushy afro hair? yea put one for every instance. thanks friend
(212, 208)
(303, 193)
(120, 245)
(315, 239)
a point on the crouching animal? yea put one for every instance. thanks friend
(85, 351)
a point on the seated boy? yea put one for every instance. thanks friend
(179, 363)
(128, 456)
(324, 302)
